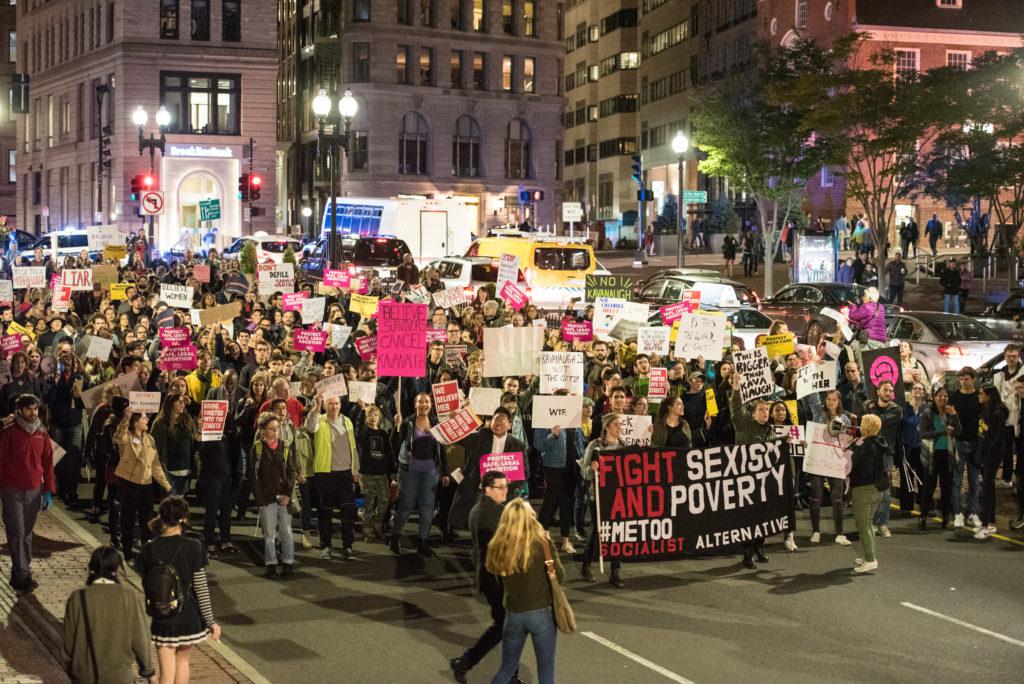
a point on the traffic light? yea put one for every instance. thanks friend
(243, 187)
(255, 183)
(524, 196)
(538, 195)
(136, 193)
(638, 171)
(148, 182)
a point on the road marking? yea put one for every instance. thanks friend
(669, 674)
(982, 630)
(1000, 537)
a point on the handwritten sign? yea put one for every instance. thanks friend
(178, 358)
(271, 278)
(816, 377)
(334, 386)
(401, 339)
(826, 455)
(483, 400)
(77, 279)
(339, 334)
(446, 397)
(201, 272)
(612, 286)
(564, 411)
(144, 402)
(127, 382)
(841, 321)
(313, 310)
(292, 301)
(103, 275)
(450, 297)
(364, 305)
(754, 366)
(218, 314)
(512, 295)
(577, 332)
(510, 463)
(177, 296)
(99, 348)
(606, 314)
(652, 340)
(561, 370)
(636, 430)
(457, 427)
(417, 294)
(508, 270)
(174, 337)
(310, 340)
(700, 336)
(360, 390)
(6, 291)
(26, 277)
(213, 415)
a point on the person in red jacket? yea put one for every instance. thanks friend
(26, 484)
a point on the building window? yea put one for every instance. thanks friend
(412, 146)
(200, 19)
(169, 19)
(479, 16)
(12, 166)
(906, 60)
(517, 150)
(110, 29)
(959, 59)
(479, 71)
(826, 176)
(402, 65)
(426, 66)
(458, 16)
(508, 18)
(405, 12)
(231, 21)
(359, 151)
(529, 18)
(456, 64)
(360, 10)
(801, 14)
(202, 104)
(12, 46)
(466, 147)
(950, 4)
(427, 16)
(529, 81)
(507, 67)
(360, 61)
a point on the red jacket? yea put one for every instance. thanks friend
(26, 460)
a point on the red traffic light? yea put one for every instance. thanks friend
(256, 181)
(148, 181)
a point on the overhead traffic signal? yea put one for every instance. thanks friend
(137, 187)
(638, 171)
(243, 187)
(255, 184)
(148, 182)
(538, 195)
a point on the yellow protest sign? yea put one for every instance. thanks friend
(119, 291)
(674, 333)
(326, 290)
(115, 252)
(709, 395)
(364, 305)
(778, 345)
(791, 407)
(18, 329)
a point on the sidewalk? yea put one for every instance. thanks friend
(30, 624)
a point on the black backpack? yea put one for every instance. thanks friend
(164, 589)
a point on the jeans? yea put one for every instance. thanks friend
(965, 451)
(538, 624)
(951, 303)
(217, 500)
(836, 485)
(274, 519)
(942, 474)
(558, 495)
(865, 499)
(20, 510)
(179, 484)
(882, 511)
(896, 293)
(416, 492)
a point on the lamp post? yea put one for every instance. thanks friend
(348, 106)
(163, 119)
(680, 143)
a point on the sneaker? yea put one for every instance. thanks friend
(875, 528)
(567, 547)
(974, 521)
(842, 540)
(859, 561)
(983, 533)
(228, 548)
(578, 537)
(790, 543)
(958, 520)
(815, 537)
(306, 543)
(325, 553)
(1017, 524)
(1003, 484)
(866, 566)
(347, 553)
(885, 531)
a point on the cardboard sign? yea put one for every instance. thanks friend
(611, 286)
(334, 386)
(119, 291)
(103, 275)
(401, 339)
(99, 348)
(271, 278)
(510, 463)
(313, 310)
(564, 411)
(512, 351)
(115, 252)
(177, 296)
(457, 427)
(417, 294)
(213, 415)
(826, 455)
(6, 291)
(711, 401)
(816, 377)
(25, 277)
(366, 346)
(219, 314)
(652, 340)
(561, 370)
(446, 397)
(754, 366)
(292, 301)
(450, 297)
(513, 296)
(174, 337)
(577, 332)
(201, 272)
(508, 270)
(336, 278)
(483, 400)
(700, 336)
(636, 430)
(127, 382)
(778, 345)
(11, 344)
(367, 391)
(364, 305)
(77, 279)
(310, 340)
(144, 402)
(657, 384)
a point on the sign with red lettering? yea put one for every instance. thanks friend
(78, 279)
(212, 416)
(401, 339)
(336, 278)
(178, 358)
(310, 340)
(366, 346)
(577, 332)
(446, 397)
(292, 301)
(511, 463)
(174, 337)
(513, 296)
(658, 387)
(457, 427)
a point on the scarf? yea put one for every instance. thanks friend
(28, 427)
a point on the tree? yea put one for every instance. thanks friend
(665, 223)
(247, 259)
(289, 256)
(756, 143)
(724, 218)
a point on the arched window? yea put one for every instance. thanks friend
(517, 150)
(466, 147)
(412, 145)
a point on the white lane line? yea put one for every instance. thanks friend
(639, 659)
(982, 630)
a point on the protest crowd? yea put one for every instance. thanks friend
(337, 412)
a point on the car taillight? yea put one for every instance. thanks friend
(951, 350)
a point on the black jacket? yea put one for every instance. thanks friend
(483, 522)
(949, 279)
(867, 459)
(477, 445)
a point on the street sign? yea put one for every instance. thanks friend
(572, 212)
(209, 210)
(695, 196)
(152, 203)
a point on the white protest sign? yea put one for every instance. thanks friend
(564, 411)
(483, 400)
(367, 391)
(815, 377)
(508, 269)
(99, 348)
(313, 310)
(606, 313)
(6, 291)
(754, 366)
(29, 276)
(450, 297)
(512, 351)
(561, 370)
(92, 396)
(826, 455)
(177, 296)
(340, 335)
(701, 335)
(636, 430)
(99, 237)
(840, 320)
(144, 402)
(77, 279)
(652, 339)
(335, 386)
(273, 278)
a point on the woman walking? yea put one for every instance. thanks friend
(173, 431)
(867, 464)
(138, 466)
(272, 470)
(939, 427)
(825, 411)
(517, 554)
(611, 431)
(991, 448)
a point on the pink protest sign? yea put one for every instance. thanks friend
(366, 347)
(173, 337)
(510, 463)
(178, 358)
(436, 334)
(201, 272)
(292, 301)
(670, 313)
(11, 344)
(446, 397)
(310, 340)
(336, 278)
(401, 339)
(457, 427)
(577, 332)
(54, 281)
(513, 296)
(658, 387)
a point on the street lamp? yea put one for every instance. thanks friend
(163, 119)
(680, 143)
(348, 107)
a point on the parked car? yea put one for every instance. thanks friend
(269, 248)
(381, 254)
(948, 378)
(667, 287)
(945, 343)
(1006, 319)
(24, 240)
(66, 243)
(471, 273)
(800, 306)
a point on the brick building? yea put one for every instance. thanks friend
(212, 64)
(8, 119)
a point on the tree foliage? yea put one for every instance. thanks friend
(665, 223)
(289, 256)
(247, 259)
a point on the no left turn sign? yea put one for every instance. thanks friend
(152, 203)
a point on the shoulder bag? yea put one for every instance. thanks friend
(565, 618)
(88, 638)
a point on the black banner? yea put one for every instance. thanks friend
(658, 504)
(881, 365)
(614, 286)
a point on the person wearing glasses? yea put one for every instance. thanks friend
(273, 473)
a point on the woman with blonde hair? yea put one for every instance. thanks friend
(517, 555)
(864, 492)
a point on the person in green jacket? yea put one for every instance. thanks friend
(335, 471)
(752, 426)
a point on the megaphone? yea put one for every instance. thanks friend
(837, 427)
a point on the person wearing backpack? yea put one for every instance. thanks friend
(173, 571)
(273, 473)
(869, 477)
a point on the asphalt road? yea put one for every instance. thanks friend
(803, 617)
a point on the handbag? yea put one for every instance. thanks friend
(565, 618)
